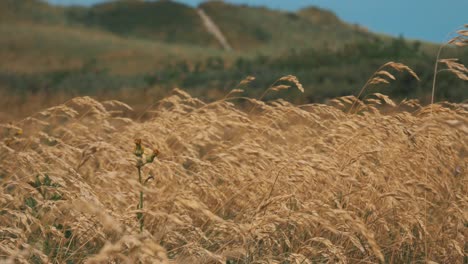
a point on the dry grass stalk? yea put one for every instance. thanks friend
(288, 78)
(247, 80)
(460, 40)
(293, 79)
(280, 87)
(456, 68)
(378, 77)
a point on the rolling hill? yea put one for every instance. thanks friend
(247, 28)
(13, 11)
(163, 44)
(164, 21)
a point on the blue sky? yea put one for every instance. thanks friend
(428, 20)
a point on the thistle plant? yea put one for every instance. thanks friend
(141, 161)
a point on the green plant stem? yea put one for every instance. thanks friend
(140, 204)
(139, 174)
(141, 207)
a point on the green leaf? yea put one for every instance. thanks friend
(68, 233)
(56, 197)
(47, 180)
(31, 202)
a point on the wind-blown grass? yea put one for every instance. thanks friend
(284, 183)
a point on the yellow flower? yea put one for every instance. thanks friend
(19, 132)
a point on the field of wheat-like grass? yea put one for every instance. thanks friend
(262, 183)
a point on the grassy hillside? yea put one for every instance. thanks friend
(32, 48)
(266, 30)
(328, 73)
(249, 29)
(166, 21)
(30, 11)
(158, 45)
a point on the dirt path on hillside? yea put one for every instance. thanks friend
(213, 29)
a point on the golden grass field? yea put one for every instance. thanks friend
(239, 180)
(275, 184)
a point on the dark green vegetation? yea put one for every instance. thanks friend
(161, 44)
(165, 21)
